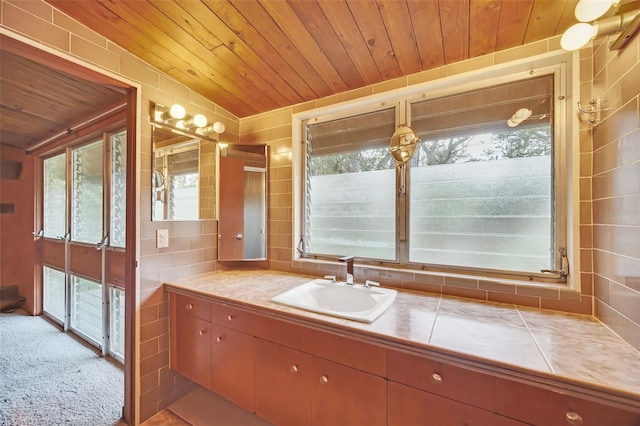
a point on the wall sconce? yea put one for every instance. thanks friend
(587, 12)
(176, 119)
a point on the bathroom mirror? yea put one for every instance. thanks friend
(403, 144)
(183, 176)
(242, 222)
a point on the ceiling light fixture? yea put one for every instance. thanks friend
(587, 11)
(519, 116)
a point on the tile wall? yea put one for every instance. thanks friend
(615, 189)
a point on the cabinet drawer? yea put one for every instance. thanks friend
(234, 318)
(554, 408)
(457, 383)
(413, 407)
(193, 307)
(341, 349)
(344, 350)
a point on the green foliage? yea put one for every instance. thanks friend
(515, 143)
(527, 142)
(352, 162)
(442, 151)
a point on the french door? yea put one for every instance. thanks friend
(83, 240)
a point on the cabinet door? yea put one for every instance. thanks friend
(413, 407)
(193, 349)
(342, 395)
(233, 366)
(282, 378)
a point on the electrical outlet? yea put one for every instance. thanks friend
(162, 238)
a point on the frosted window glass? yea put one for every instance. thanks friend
(116, 322)
(86, 201)
(55, 196)
(351, 203)
(118, 189)
(53, 300)
(86, 309)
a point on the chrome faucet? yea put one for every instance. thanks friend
(349, 261)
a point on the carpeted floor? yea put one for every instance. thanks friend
(49, 378)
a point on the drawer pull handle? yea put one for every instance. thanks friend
(219, 339)
(293, 369)
(203, 332)
(324, 380)
(229, 317)
(189, 307)
(436, 378)
(573, 418)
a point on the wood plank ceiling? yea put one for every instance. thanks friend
(252, 56)
(41, 96)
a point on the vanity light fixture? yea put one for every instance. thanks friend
(587, 12)
(177, 120)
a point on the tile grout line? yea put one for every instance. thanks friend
(544, 356)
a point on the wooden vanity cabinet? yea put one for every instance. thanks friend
(292, 374)
(295, 388)
(206, 350)
(191, 338)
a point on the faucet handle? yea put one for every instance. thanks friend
(330, 277)
(369, 283)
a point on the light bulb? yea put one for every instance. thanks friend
(590, 10)
(199, 120)
(578, 36)
(177, 111)
(218, 127)
(522, 114)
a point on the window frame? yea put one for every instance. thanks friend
(563, 65)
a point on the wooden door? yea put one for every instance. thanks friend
(231, 220)
(282, 384)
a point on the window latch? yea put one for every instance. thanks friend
(564, 260)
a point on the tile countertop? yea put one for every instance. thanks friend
(574, 348)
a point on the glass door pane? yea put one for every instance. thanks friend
(116, 323)
(86, 308)
(118, 200)
(54, 293)
(55, 196)
(86, 201)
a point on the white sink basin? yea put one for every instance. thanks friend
(339, 299)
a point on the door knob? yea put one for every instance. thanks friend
(239, 237)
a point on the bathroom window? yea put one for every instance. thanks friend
(483, 192)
